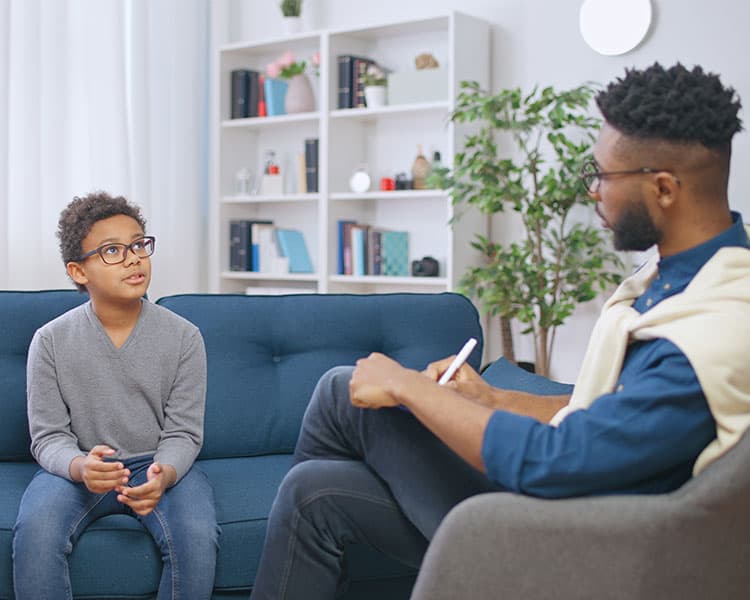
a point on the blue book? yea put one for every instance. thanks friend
(274, 91)
(358, 250)
(292, 245)
(394, 251)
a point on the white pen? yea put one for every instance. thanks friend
(458, 361)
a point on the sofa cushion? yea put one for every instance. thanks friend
(264, 362)
(23, 314)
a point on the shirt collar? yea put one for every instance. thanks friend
(684, 265)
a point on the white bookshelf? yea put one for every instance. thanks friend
(384, 139)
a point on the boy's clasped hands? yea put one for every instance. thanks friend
(100, 474)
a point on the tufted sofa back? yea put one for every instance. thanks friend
(21, 314)
(266, 353)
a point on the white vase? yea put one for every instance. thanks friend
(299, 95)
(374, 96)
(292, 25)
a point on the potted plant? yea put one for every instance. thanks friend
(374, 81)
(560, 262)
(291, 10)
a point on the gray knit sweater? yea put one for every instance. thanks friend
(146, 397)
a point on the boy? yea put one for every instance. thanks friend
(116, 396)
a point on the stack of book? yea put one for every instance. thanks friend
(367, 250)
(258, 246)
(351, 86)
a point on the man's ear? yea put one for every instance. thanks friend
(76, 273)
(667, 189)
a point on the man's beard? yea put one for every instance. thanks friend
(635, 230)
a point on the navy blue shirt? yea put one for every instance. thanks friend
(644, 437)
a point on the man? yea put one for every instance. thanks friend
(653, 391)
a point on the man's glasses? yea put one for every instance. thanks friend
(114, 254)
(592, 177)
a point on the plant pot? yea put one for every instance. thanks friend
(292, 25)
(375, 96)
(299, 95)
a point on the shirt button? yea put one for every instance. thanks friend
(649, 302)
(620, 387)
(667, 286)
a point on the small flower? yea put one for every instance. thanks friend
(273, 70)
(374, 75)
(316, 59)
(287, 59)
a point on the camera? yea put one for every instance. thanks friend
(427, 267)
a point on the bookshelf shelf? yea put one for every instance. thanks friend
(264, 199)
(389, 195)
(384, 140)
(252, 276)
(254, 122)
(399, 109)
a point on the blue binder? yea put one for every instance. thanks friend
(292, 245)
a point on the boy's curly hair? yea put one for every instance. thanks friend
(77, 219)
(674, 104)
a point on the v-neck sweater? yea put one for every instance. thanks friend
(145, 397)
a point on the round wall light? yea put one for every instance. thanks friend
(614, 26)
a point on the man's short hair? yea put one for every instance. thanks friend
(77, 219)
(675, 104)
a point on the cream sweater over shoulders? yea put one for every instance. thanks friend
(709, 322)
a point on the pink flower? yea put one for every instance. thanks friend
(286, 59)
(273, 70)
(316, 59)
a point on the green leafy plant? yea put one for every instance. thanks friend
(560, 262)
(291, 8)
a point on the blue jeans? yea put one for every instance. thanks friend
(377, 477)
(54, 512)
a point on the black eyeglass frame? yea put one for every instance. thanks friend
(149, 241)
(596, 176)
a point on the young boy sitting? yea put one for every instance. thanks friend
(116, 396)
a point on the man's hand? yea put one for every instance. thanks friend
(466, 381)
(374, 380)
(144, 498)
(99, 476)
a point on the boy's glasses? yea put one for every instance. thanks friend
(114, 254)
(591, 176)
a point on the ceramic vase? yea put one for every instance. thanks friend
(299, 95)
(374, 96)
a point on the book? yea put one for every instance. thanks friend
(264, 246)
(344, 226)
(239, 245)
(394, 250)
(240, 96)
(252, 250)
(301, 174)
(344, 64)
(311, 164)
(252, 93)
(373, 252)
(346, 237)
(292, 246)
(359, 235)
(358, 85)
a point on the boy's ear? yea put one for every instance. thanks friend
(76, 273)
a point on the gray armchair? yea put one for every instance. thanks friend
(693, 543)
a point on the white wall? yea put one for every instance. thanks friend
(537, 41)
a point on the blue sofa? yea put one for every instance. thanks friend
(265, 355)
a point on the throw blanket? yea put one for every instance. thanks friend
(709, 322)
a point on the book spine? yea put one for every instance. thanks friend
(311, 164)
(237, 247)
(360, 68)
(240, 94)
(347, 251)
(344, 63)
(252, 93)
(377, 259)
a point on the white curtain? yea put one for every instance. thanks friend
(109, 95)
